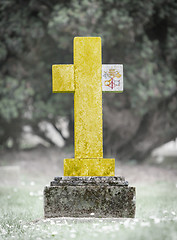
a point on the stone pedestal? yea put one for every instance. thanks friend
(103, 197)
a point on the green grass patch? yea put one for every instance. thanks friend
(21, 216)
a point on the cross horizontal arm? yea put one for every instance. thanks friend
(63, 78)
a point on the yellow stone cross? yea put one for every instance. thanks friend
(84, 79)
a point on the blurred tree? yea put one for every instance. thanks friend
(139, 34)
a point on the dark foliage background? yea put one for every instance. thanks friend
(140, 34)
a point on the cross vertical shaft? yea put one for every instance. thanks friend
(88, 98)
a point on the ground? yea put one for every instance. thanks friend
(24, 174)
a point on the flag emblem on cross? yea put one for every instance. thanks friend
(112, 77)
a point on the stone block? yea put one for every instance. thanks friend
(103, 197)
(89, 167)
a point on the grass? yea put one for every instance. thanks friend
(21, 216)
(21, 206)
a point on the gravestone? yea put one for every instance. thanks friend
(89, 187)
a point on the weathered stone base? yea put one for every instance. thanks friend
(89, 197)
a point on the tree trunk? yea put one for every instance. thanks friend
(135, 137)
